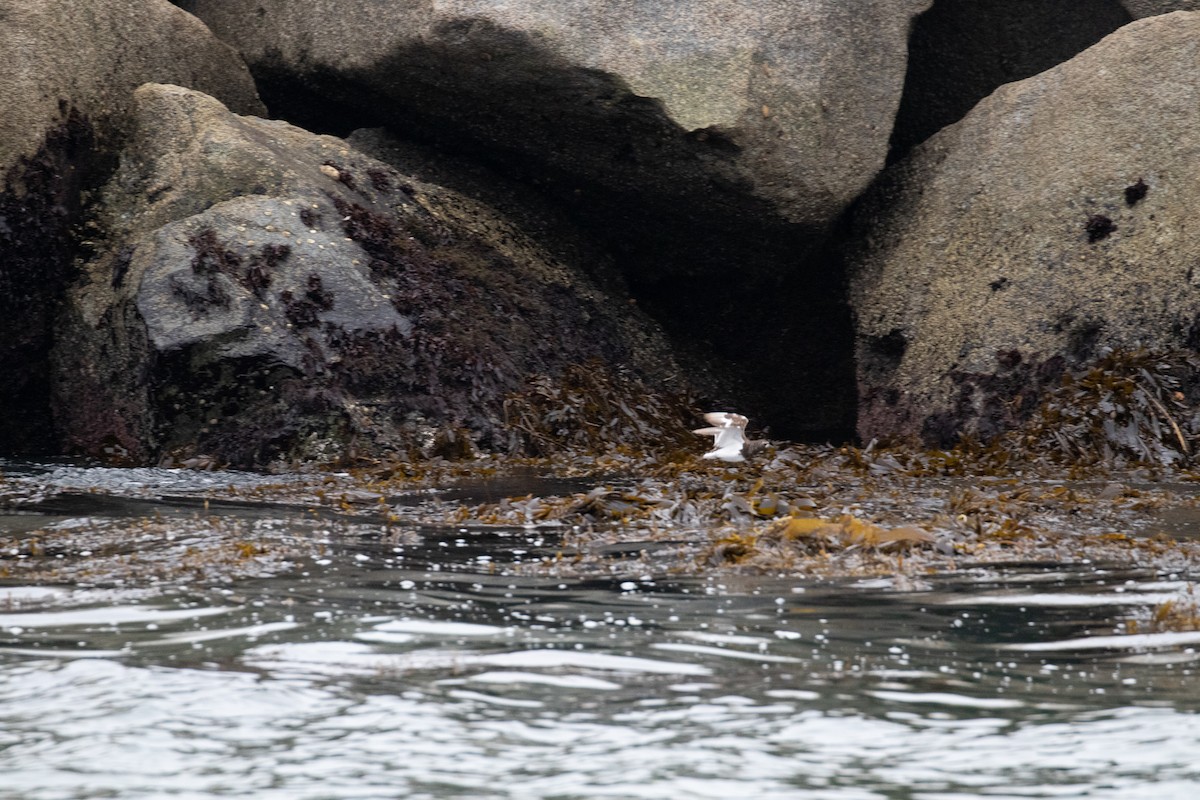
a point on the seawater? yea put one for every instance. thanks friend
(442, 666)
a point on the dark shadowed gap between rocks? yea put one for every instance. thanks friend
(960, 51)
(41, 203)
(746, 297)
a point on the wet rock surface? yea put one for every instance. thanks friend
(279, 295)
(1040, 232)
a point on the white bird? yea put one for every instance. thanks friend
(729, 437)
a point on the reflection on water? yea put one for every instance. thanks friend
(428, 669)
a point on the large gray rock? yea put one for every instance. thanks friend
(699, 141)
(1053, 221)
(66, 78)
(961, 51)
(270, 294)
(788, 103)
(62, 56)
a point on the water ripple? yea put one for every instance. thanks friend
(422, 668)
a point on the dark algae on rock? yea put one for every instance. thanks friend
(276, 297)
(41, 203)
(1136, 192)
(1048, 221)
(588, 409)
(1119, 410)
(1099, 227)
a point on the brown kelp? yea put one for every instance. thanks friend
(1130, 407)
(595, 409)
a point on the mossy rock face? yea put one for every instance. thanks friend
(1044, 230)
(272, 295)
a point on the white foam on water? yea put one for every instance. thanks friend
(1063, 599)
(947, 699)
(249, 632)
(724, 652)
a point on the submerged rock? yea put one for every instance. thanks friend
(1045, 228)
(67, 77)
(270, 294)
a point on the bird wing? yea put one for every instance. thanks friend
(729, 429)
(731, 436)
(724, 437)
(725, 419)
